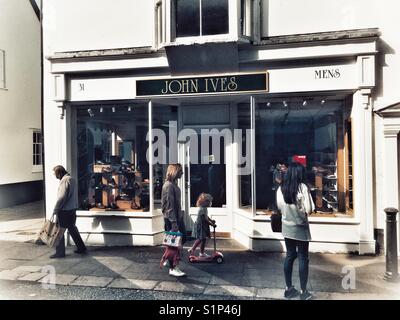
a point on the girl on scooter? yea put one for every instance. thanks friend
(201, 228)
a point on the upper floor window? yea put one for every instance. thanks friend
(37, 148)
(2, 69)
(201, 17)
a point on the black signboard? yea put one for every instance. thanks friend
(235, 83)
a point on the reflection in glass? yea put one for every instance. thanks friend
(215, 17)
(187, 18)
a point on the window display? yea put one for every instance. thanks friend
(313, 133)
(112, 167)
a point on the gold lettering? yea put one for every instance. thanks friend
(215, 85)
(185, 85)
(206, 80)
(179, 86)
(232, 86)
(223, 84)
(165, 90)
(194, 86)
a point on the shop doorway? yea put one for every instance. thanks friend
(204, 154)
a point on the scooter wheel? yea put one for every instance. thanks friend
(220, 260)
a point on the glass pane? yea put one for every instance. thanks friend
(215, 17)
(113, 172)
(164, 124)
(33, 160)
(187, 18)
(209, 176)
(308, 135)
(244, 157)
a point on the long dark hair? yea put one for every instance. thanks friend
(293, 178)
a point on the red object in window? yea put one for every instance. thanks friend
(300, 159)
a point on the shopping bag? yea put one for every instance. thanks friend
(172, 239)
(51, 232)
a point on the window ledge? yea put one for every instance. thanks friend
(311, 219)
(201, 40)
(123, 214)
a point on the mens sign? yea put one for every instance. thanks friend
(235, 83)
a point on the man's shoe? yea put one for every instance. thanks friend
(176, 272)
(55, 256)
(291, 293)
(306, 295)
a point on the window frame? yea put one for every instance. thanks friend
(37, 167)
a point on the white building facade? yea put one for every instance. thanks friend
(21, 173)
(132, 86)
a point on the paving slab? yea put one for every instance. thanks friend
(28, 268)
(230, 290)
(270, 293)
(91, 281)
(34, 276)
(179, 287)
(60, 279)
(133, 284)
(12, 275)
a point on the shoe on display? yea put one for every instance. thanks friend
(176, 272)
(306, 295)
(291, 293)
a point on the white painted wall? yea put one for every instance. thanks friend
(20, 102)
(73, 25)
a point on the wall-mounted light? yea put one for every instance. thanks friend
(91, 114)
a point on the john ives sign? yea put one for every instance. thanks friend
(235, 83)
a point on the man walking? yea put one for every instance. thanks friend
(65, 210)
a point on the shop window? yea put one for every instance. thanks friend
(37, 159)
(2, 69)
(313, 133)
(201, 17)
(112, 168)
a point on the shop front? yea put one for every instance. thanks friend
(234, 133)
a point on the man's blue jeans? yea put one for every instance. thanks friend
(294, 249)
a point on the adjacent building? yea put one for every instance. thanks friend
(21, 165)
(234, 91)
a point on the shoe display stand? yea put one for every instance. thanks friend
(121, 189)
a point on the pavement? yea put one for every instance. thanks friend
(244, 274)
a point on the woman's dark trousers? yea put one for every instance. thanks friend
(67, 219)
(294, 249)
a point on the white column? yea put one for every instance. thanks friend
(151, 186)
(363, 170)
(253, 153)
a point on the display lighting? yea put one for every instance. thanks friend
(113, 109)
(285, 104)
(91, 114)
(268, 104)
(322, 102)
(305, 103)
(101, 109)
(129, 109)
